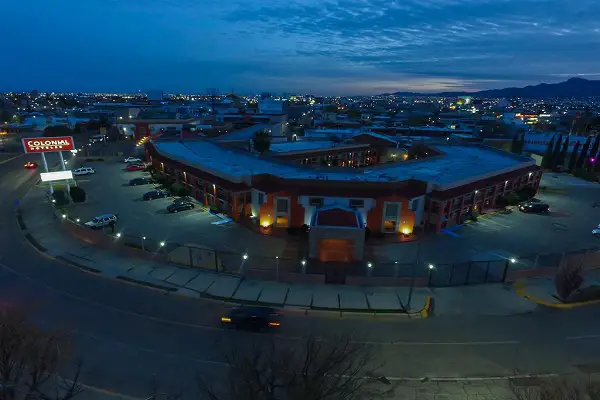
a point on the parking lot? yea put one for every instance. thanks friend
(108, 192)
(567, 227)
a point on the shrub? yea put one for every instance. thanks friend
(181, 190)
(77, 194)
(60, 198)
(213, 209)
(526, 193)
(367, 233)
(586, 175)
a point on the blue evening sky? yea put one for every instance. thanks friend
(304, 46)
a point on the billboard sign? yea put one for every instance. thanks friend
(48, 145)
(56, 176)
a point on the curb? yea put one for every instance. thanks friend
(520, 287)
(425, 312)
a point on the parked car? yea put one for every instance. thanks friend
(184, 199)
(84, 171)
(140, 181)
(30, 165)
(253, 318)
(596, 232)
(131, 160)
(180, 206)
(155, 194)
(101, 221)
(534, 207)
(134, 167)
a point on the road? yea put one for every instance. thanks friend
(127, 334)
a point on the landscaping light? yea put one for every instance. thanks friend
(513, 260)
(369, 265)
(277, 257)
(431, 266)
(245, 256)
(265, 224)
(143, 237)
(54, 200)
(162, 244)
(395, 262)
(77, 220)
(303, 262)
(64, 216)
(118, 235)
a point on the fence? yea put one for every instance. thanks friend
(303, 270)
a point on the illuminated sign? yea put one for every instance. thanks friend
(46, 145)
(56, 176)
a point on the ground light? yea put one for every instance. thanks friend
(162, 244)
(431, 266)
(245, 256)
(77, 220)
(513, 260)
(369, 265)
(64, 216)
(303, 262)
(118, 235)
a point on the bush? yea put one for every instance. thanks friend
(213, 209)
(526, 193)
(60, 198)
(77, 194)
(181, 190)
(586, 175)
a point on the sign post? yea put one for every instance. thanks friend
(50, 145)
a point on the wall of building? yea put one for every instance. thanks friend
(329, 201)
(406, 219)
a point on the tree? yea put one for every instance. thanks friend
(315, 369)
(6, 116)
(574, 155)
(563, 153)
(547, 158)
(514, 146)
(583, 155)
(593, 154)
(261, 141)
(556, 151)
(29, 361)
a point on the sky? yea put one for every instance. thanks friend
(322, 47)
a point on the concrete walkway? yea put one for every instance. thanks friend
(42, 229)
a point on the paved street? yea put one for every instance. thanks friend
(175, 337)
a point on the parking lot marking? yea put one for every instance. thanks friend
(491, 221)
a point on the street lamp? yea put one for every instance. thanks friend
(162, 244)
(118, 235)
(245, 256)
(513, 260)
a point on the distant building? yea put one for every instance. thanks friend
(155, 95)
(268, 106)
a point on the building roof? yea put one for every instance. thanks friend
(456, 166)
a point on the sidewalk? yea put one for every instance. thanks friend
(542, 291)
(43, 230)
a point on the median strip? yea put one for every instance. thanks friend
(35, 243)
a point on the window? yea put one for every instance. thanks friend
(357, 203)
(261, 199)
(415, 205)
(282, 205)
(391, 215)
(316, 201)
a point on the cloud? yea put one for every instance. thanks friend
(349, 46)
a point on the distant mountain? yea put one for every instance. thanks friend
(574, 87)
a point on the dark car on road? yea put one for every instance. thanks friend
(534, 207)
(140, 181)
(253, 318)
(180, 206)
(155, 194)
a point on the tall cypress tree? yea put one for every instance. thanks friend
(556, 151)
(547, 159)
(584, 152)
(563, 153)
(514, 146)
(594, 153)
(573, 158)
